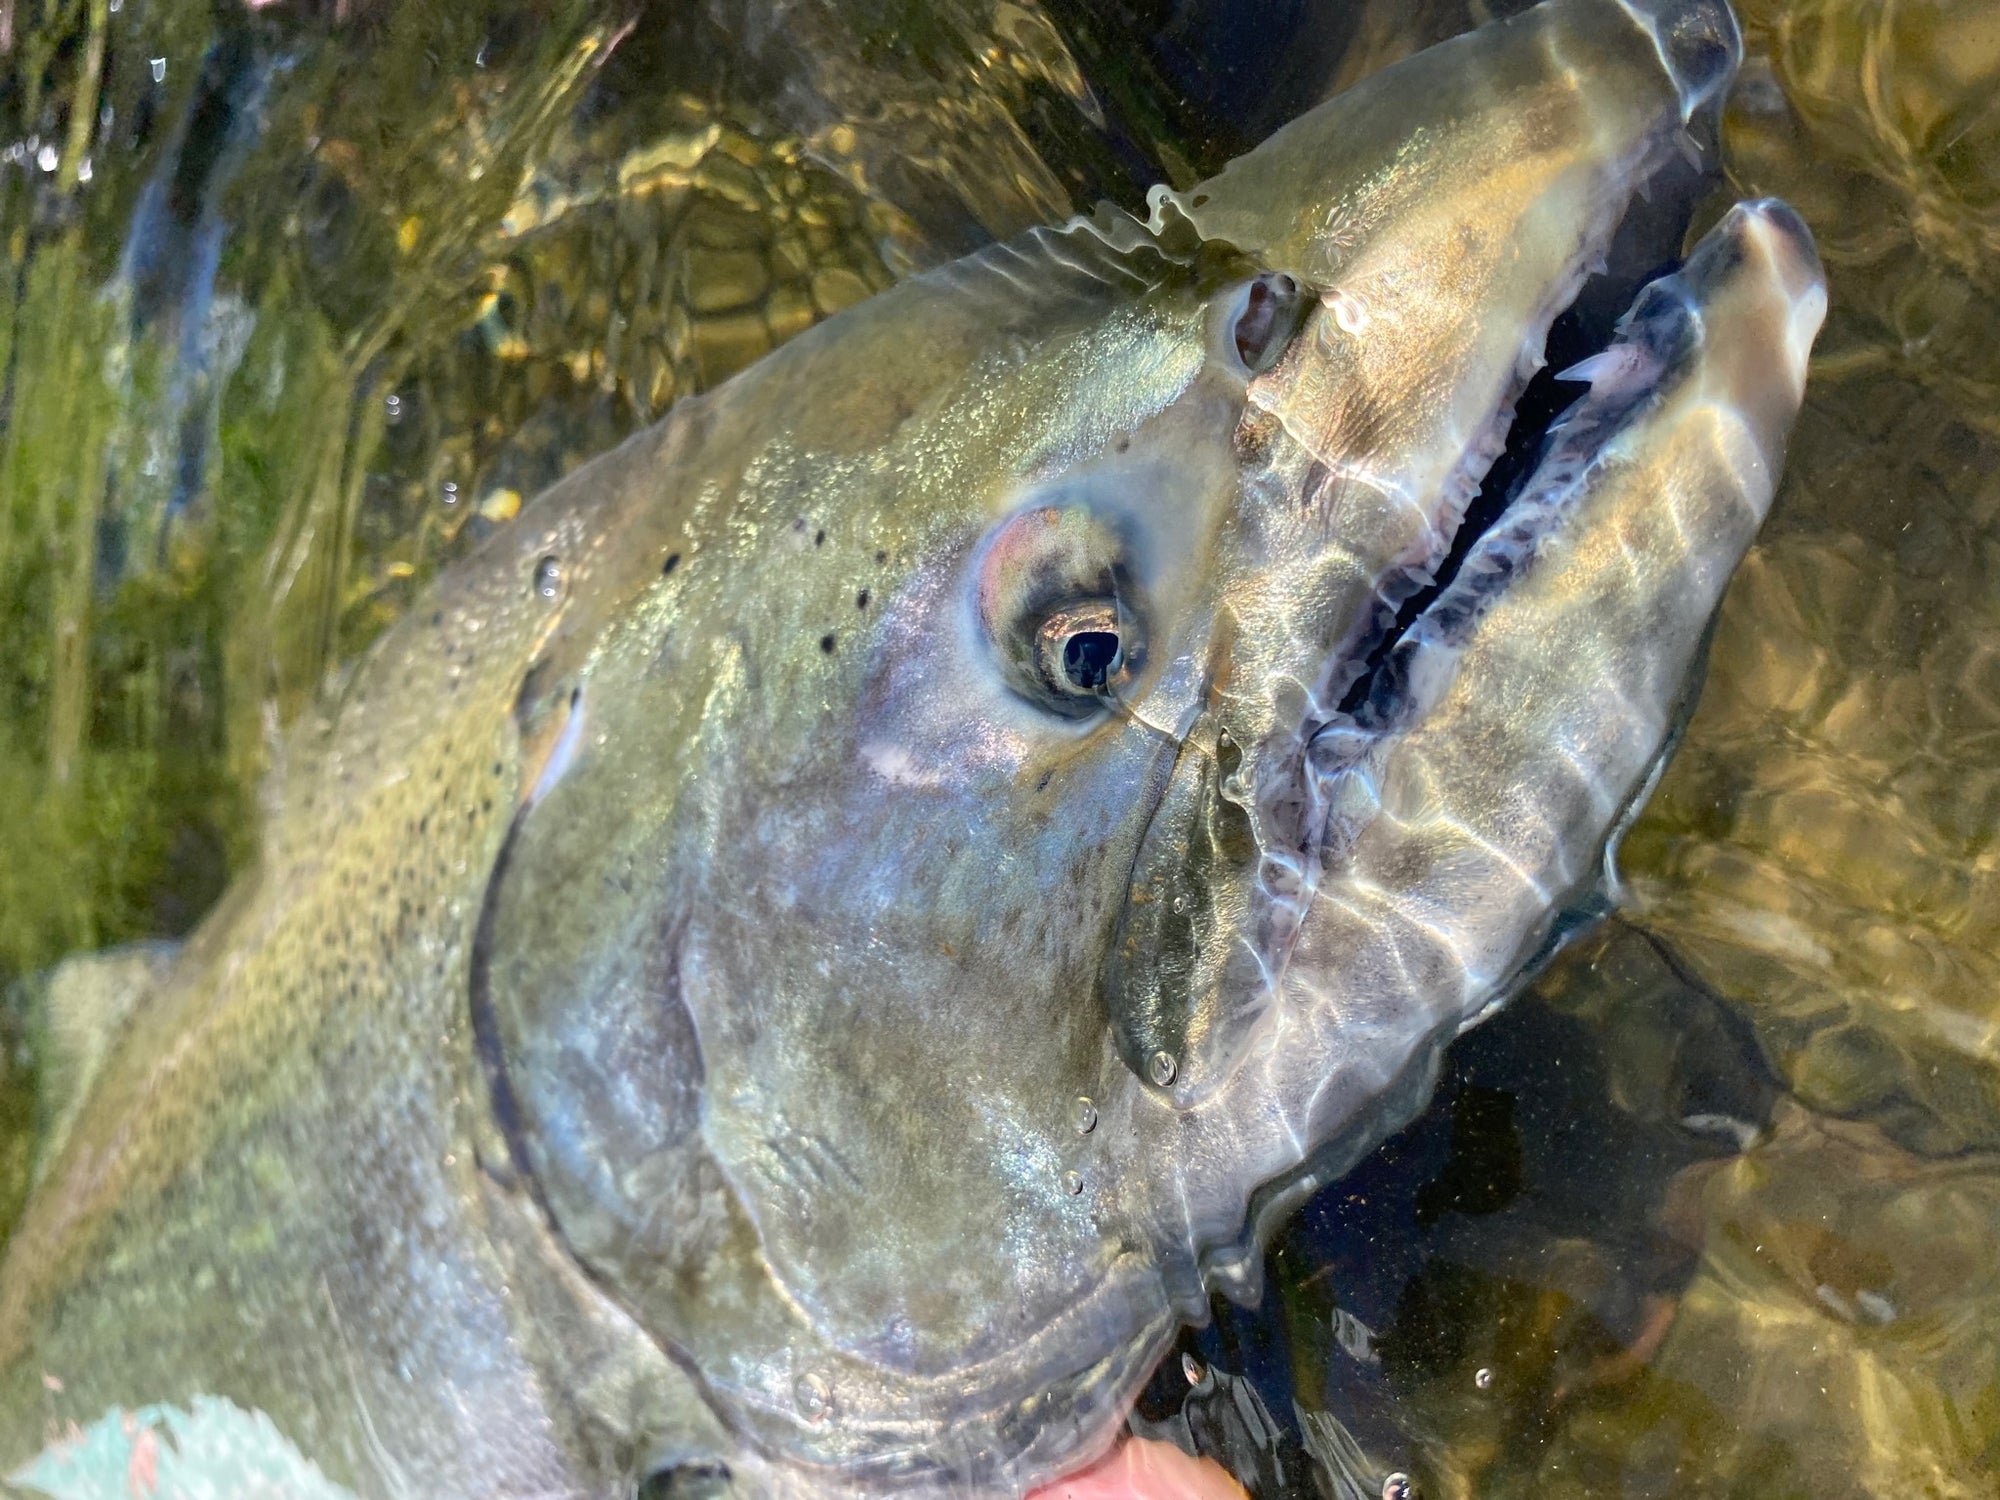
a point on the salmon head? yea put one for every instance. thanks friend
(1023, 784)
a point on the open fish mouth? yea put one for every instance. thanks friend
(1614, 323)
(1548, 446)
(1439, 809)
(1277, 785)
(1650, 366)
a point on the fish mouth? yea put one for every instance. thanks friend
(1590, 310)
(1179, 985)
(1675, 351)
(1586, 334)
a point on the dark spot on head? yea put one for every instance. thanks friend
(1043, 784)
(881, 557)
(861, 600)
(497, 769)
(437, 618)
(826, 643)
(798, 523)
(1124, 445)
(673, 561)
(819, 538)
(690, 1481)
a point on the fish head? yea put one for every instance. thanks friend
(998, 835)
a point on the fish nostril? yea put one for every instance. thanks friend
(1699, 45)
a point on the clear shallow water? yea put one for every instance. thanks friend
(304, 300)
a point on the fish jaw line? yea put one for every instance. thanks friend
(1285, 769)
(1618, 544)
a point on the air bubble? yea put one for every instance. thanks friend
(1398, 1487)
(1161, 1067)
(814, 1396)
(159, 67)
(1193, 1370)
(548, 577)
(448, 492)
(1073, 1182)
(1483, 1378)
(393, 405)
(1083, 1114)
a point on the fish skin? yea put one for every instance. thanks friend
(654, 1031)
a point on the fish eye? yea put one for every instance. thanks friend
(1080, 651)
(1059, 608)
(1263, 317)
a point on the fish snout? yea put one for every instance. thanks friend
(1768, 234)
(1481, 186)
(1699, 45)
(1757, 289)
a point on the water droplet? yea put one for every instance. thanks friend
(1193, 1369)
(814, 1396)
(46, 158)
(448, 492)
(159, 65)
(394, 406)
(1073, 1181)
(1398, 1487)
(548, 577)
(84, 170)
(1083, 1114)
(1483, 1378)
(1161, 1067)
(1180, 904)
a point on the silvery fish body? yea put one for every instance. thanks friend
(804, 960)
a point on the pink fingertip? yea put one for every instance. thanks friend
(1142, 1469)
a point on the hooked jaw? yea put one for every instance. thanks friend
(1466, 800)
(1446, 211)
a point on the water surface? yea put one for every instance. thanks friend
(302, 300)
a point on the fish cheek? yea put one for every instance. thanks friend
(594, 1063)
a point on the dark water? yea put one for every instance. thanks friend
(302, 300)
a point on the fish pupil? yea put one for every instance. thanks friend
(1265, 320)
(1089, 659)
